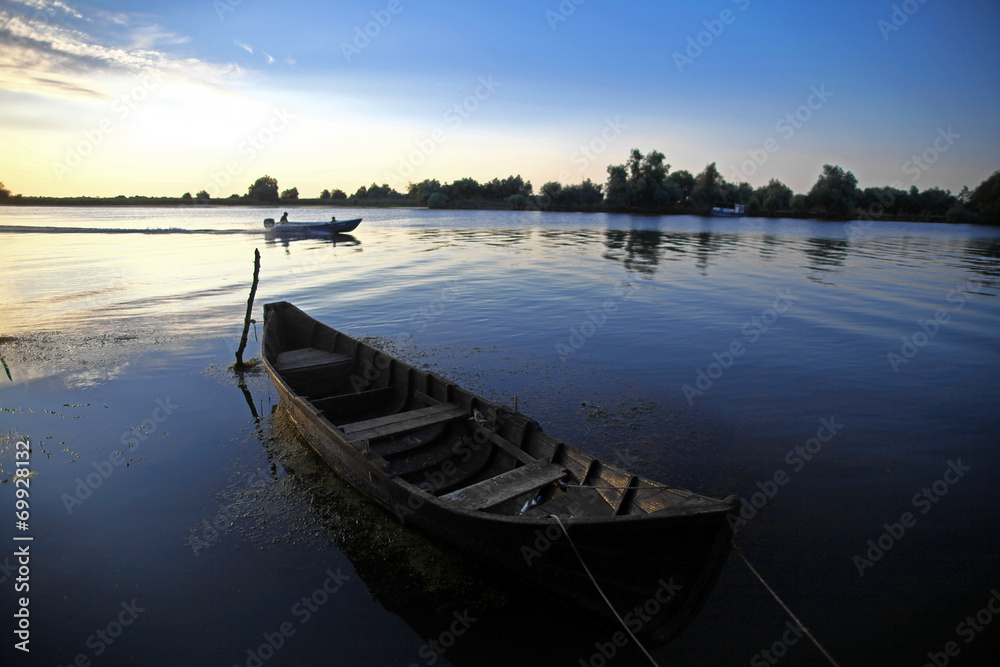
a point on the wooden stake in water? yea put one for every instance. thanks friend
(247, 320)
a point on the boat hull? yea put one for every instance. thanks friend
(656, 568)
(339, 227)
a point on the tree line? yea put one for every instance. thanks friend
(643, 184)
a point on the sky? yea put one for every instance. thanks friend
(161, 98)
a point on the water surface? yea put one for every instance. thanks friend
(858, 364)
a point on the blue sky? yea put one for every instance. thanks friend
(131, 97)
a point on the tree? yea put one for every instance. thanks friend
(186, 198)
(518, 202)
(777, 197)
(4, 192)
(800, 204)
(437, 200)
(684, 181)
(586, 195)
(423, 190)
(835, 192)
(325, 194)
(616, 193)
(986, 198)
(551, 191)
(642, 183)
(338, 194)
(264, 189)
(466, 188)
(291, 195)
(648, 181)
(203, 196)
(708, 189)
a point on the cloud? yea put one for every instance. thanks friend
(49, 7)
(152, 36)
(249, 49)
(268, 57)
(45, 55)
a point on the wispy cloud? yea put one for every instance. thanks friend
(268, 58)
(50, 7)
(150, 37)
(50, 55)
(249, 49)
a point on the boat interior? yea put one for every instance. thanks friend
(426, 432)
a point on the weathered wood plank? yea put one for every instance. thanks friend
(307, 357)
(623, 501)
(512, 449)
(343, 406)
(507, 485)
(382, 427)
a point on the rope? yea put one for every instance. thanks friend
(610, 606)
(624, 488)
(784, 606)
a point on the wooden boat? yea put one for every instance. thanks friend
(491, 482)
(339, 227)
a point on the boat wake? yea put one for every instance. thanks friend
(27, 229)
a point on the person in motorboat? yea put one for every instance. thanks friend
(284, 218)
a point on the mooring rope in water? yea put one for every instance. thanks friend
(597, 586)
(784, 606)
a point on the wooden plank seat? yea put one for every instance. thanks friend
(308, 357)
(312, 372)
(401, 422)
(505, 486)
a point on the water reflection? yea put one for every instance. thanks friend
(423, 582)
(981, 255)
(824, 255)
(324, 238)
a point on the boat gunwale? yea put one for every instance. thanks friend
(670, 514)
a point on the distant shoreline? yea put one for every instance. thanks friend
(466, 205)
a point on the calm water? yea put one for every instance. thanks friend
(842, 379)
